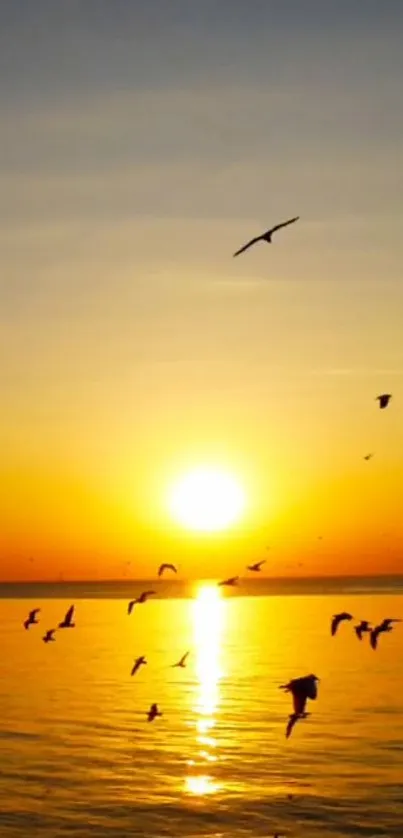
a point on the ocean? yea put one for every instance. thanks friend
(79, 758)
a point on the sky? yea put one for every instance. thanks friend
(141, 145)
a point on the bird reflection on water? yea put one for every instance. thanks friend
(208, 620)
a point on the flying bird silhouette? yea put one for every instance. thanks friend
(139, 601)
(141, 661)
(257, 566)
(362, 628)
(266, 237)
(182, 661)
(385, 626)
(230, 582)
(384, 400)
(49, 636)
(368, 457)
(31, 619)
(67, 623)
(337, 619)
(166, 566)
(301, 689)
(153, 713)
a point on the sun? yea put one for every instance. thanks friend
(207, 500)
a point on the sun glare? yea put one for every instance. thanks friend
(207, 500)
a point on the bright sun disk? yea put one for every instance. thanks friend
(207, 500)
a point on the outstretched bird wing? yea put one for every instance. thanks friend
(247, 245)
(374, 638)
(69, 615)
(334, 624)
(33, 613)
(283, 224)
(290, 725)
(131, 606)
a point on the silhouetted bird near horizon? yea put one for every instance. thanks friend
(266, 237)
(301, 689)
(166, 566)
(139, 601)
(384, 400)
(153, 713)
(182, 661)
(31, 619)
(230, 582)
(362, 628)
(257, 566)
(337, 619)
(141, 661)
(49, 636)
(385, 626)
(67, 623)
(368, 457)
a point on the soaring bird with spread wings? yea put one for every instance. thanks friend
(267, 236)
(166, 566)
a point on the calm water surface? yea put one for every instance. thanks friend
(79, 758)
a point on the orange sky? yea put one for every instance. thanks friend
(133, 348)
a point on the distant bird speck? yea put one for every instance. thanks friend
(141, 661)
(337, 619)
(267, 236)
(166, 566)
(182, 661)
(67, 623)
(368, 457)
(257, 566)
(153, 713)
(384, 400)
(362, 628)
(31, 619)
(301, 689)
(139, 601)
(49, 636)
(229, 582)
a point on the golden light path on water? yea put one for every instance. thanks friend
(208, 620)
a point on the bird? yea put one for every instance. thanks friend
(362, 627)
(368, 457)
(31, 619)
(67, 623)
(257, 566)
(153, 713)
(384, 400)
(182, 661)
(301, 689)
(141, 661)
(230, 582)
(337, 619)
(142, 598)
(266, 237)
(49, 636)
(385, 625)
(166, 566)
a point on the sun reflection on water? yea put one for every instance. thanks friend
(208, 613)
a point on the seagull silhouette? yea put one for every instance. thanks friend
(337, 619)
(31, 619)
(368, 457)
(142, 598)
(49, 636)
(182, 661)
(141, 661)
(384, 626)
(301, 689)
(153, 713)
(362, 628)
(166, 566)
(257, 566)
(230, 582)
(67, 623)
(266, 237)
(384, 400)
